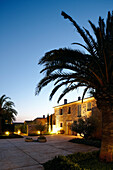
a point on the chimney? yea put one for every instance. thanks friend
(79, 98)
(44, 116)
(65, 101)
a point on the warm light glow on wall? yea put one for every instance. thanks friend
(73, 103)
(7, 133)
(54, 129)
(19, 132)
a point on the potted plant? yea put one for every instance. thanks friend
(42, 138)
(28, 139)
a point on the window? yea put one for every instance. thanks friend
(69, 110)
(88, 106)
(79, 110)
(61, 124)
(61, 111)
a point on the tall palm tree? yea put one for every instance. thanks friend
(7, 111)
(92, 70)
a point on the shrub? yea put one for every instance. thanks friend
(10, 136)
(79, 156)
(62, 131)
(47, 133)
(61, 162)
(91, 142)
(41, 137)
(86, 126)
(21, 127)
(78, 161)
(39, 126)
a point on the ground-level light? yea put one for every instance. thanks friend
(7, 133)
(19, 132)
(38, 132)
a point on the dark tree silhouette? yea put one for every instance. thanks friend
(47, 122)
(7, 111)
(92, 70)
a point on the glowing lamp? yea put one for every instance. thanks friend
(38, 132)
(19, 132)
(7, 133)
(82, 134)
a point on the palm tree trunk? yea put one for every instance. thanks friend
(106, 152)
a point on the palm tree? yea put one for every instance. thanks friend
(92, 70)
(7, 112)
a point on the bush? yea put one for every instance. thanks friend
(21, 127)
(61, 162)
(91, 142)
(47, 133)
(78, 157)
(40, 127)
(86, 126)
(8, 127)
(78, 161)
(10, 136)
(41, 137)
(34, 134)
(62, 131)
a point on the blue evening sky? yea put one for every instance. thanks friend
(28, 29)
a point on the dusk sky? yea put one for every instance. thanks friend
(29, 29)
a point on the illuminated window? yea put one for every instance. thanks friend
(88, 106)
(61, 124)
(79, 110)
(69, 111)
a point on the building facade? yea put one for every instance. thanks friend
(67, 113)
(64, 115)
(48, 121)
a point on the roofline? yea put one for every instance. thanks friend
(74, 102)
(39, 118)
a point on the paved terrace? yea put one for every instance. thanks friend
(16, 154)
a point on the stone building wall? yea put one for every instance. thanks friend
(40, 120)
(67, 118)
(31, 125)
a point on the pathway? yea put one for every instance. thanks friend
(16, 154)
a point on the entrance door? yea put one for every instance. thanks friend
(68, 129)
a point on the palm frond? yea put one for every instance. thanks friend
(60, 85)
(74, 68)
(85, 90)
(81, 45)
(81, 32)
(68, 89)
